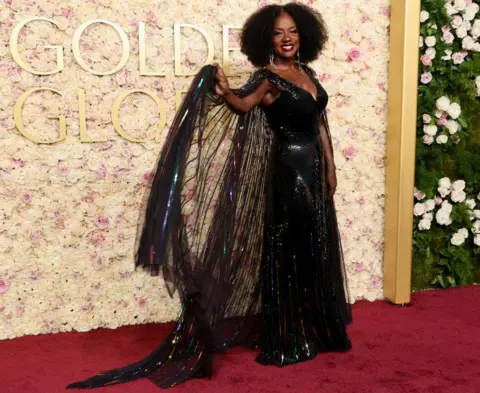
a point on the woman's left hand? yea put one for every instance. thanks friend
(331, 183)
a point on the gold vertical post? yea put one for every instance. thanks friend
(401, 131)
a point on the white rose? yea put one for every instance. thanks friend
(477, 214)
(424, 224)
(476, 227)
(471, 11)
(424, 16)
(458, 185)
(419, 209)
(443, 103)
(454, 110)
(427, 139)
(457, 239)
(470, 203)
(448, 207)
(443, 191)
(450, 9)
(463, 232)
(431, 52)
(430, 41)
(476, 240)
(443, 217)
(448, 55)
(458, 196)
(460, 5)
(468, 43)
(430, 129)
(452, 126)
(442, 139)
(420, 42)
(429, 204)
(428, 216)
(477, 82)
(461, 32)
(475, 32)
(457, 21)
(427, 118)
(444, 182)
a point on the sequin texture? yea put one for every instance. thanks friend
(255, 253)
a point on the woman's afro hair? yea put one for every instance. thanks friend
(257, 32)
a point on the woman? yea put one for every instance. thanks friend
(255, 253)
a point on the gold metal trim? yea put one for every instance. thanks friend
(401, 131)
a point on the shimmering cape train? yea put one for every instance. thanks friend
(204, 228)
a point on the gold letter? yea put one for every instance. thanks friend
(142, 52)
(78, 56)
(116, 111)
(17, 115)
(83, 119)
(208, 39)
(179, 98)
(19, 60)
(227, 49)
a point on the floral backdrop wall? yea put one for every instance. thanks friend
(69, 210)
(447, 213)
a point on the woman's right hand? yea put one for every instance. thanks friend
(221, 87)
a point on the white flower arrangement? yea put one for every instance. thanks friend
(80, 201)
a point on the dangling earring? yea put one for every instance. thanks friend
(272, 60)
(298, 61)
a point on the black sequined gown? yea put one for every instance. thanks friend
(255, 253)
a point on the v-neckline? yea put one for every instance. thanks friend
(297, 86)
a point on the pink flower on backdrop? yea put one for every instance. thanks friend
(438, 200)
(443, 121)
(88, 198)
(3, 285)
(445, 29)
(428, 139)
(468, 2)
(63, 169)
(426, 60)
(8, 3)
(349, 152)
(381, 86)
(35, 236)
(20, 309)
(375, 283)
(364, 18)
(133, 24)
(361, 201)
(354, 54)
(147, 178)
(323, 77)
(352, 133)
(102, 221)
(376, 246)
(60, 223)
(349, 223)
(385, 11)
(26, 197)
(67, 12)
(426, 78)
(142, 302)
(19, 162)
(358, 267)
(418, 194)
(101, 172)
(97, 239)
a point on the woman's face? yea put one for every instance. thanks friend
(286, 40)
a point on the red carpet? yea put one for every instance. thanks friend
(432, 345)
